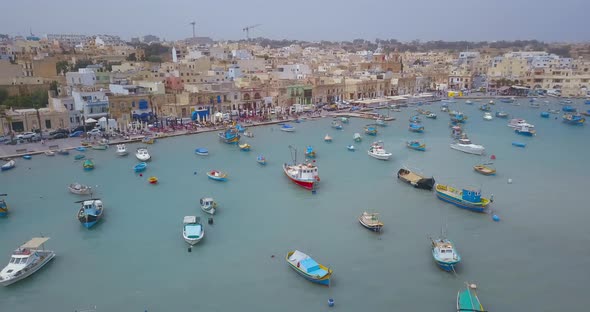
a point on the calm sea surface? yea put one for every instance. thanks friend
(536, 258)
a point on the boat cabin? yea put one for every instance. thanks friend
(207, 202)
(471, 195)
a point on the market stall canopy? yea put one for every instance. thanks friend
(90, 120)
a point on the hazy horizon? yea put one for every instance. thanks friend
(307, 20)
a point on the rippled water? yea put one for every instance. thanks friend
(535, 259)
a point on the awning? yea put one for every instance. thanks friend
(102, 119)
(35, 242)
(90, 120)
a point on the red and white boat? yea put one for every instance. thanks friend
(304, 174)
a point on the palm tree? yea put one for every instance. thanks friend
(37, 106)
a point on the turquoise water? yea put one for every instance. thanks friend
(535, 259)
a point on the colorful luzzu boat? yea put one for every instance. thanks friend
(370, 130)
(305, 266)
(88, 165)
(467, 198)
(230, 136)
(467, 300)
(3, 206)
(574, 119)
(416, 145)
(217, 175)
(310, 152)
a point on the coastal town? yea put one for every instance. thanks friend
(51, 85)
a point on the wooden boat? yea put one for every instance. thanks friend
(310, 152)
(245, 147)
(357, 137)
(3, 206)
(328, 138)
(416, 145)
(467, 300)
(153, 180)
(88, 164)
(261, 160)
(79, 189)
(305, 266)
(371, 221)
(192, 230)
(202, 151)
(208, 205)
(469, 199)
(370, 130)
(79, 156)
(26, 260)
(91, 212)
(485, 169)
(445, 255)
(8, 165)
(217, 175)
(416, 180)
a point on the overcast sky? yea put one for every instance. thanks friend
(475, 20)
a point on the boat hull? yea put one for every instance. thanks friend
(303, 183)
(49, 255)
(90, 221)
(468, 150)
(525, 133)
(374, 228)
(446, 266)
(380, 157)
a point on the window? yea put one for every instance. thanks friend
(47, 124)
(133, 104)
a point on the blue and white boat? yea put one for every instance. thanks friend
(467, 198)
(229, 136)
(458, 117)
(336, 125)
(9, 165)
(240, 128)
(525, 130)
(90, 212)
(140, 167)
(307, 267)
(574, 119)
(414, 127)
(261, 160)
(568, 109)
(415, 119)
(485, 108)
(310, 152)
(519, 144)
(287, 128)
(201, 151)
(502, 114)
(350, 148)
(416, 145)
(3, 206)
(445, 255)
(545, 114)
(217, 175)
(27, 157)
(81, 149)
(370, 130)
(192, 230)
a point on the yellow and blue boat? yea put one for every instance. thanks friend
(229, 136)
(574, 119)
(467, 198)
(245, 147)
(88, 164)
(3, 206)
(370, 130)
(309, 152)
(305, 266)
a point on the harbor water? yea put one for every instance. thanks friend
(535, 259)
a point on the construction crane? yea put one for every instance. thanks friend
(193, 23)
(247, 30)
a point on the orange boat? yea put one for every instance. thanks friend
(153, 180)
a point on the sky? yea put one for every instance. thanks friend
(312, 20)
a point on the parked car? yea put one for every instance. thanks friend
(95, 131)
(26, 135)
(64, 131)
(58, 135)
(76, 134)
(83, 128)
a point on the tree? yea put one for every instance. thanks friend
(132, 57)
(82, 64)
(154, 59)
(3, 95)
(53, 86)
(62, 67)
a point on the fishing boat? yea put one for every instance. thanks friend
(208, 205)
(248, 134)
(49, 153)
(487, 116)
(63, 152)
(370, 130)
(201, 151)
(26, 260)
(217, 175)
(229, 136)
(525, 130)
(245, 147)
(90, 212)
(545, 114)
(350, 148)
(468, 102)
(344, 120)
(121, 150)
(79, 156)
(303, 174)
(261, 160)
(431, 116)
(445, 255)
(3, 206)
(456, 132)
(517, 122)
(371, 221)
(573, 119)
(502, 114)
(305, 266)
(328, 138)
(148, 140)
(469, 199)
(357, 137)
(142, 154)
(485, 108)
(415, 119)
(416, 145)
(485, 169)
(81, 149)
(336, 125)
(414, 127)
(568, 109)
(415, 179)
(8, 165)
(99, 147)
(380, 122)
(88, 164)
(377, 151)
(287, 128)
(153, 180)
(79, 189)
(464, 145)
(240, 128)
(192, 230)
(27, 157)
(467, 300)
(519, 144)
(310, 152)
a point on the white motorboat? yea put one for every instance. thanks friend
(377, 151)
(49, 153)
(79, 189)
(328, 138)
(121, 150)
(518, 123)
(487, 116)
(142, 154)
(465, 145)
(208, 205)
(25, 261)
(192, 230)
(9, 165)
